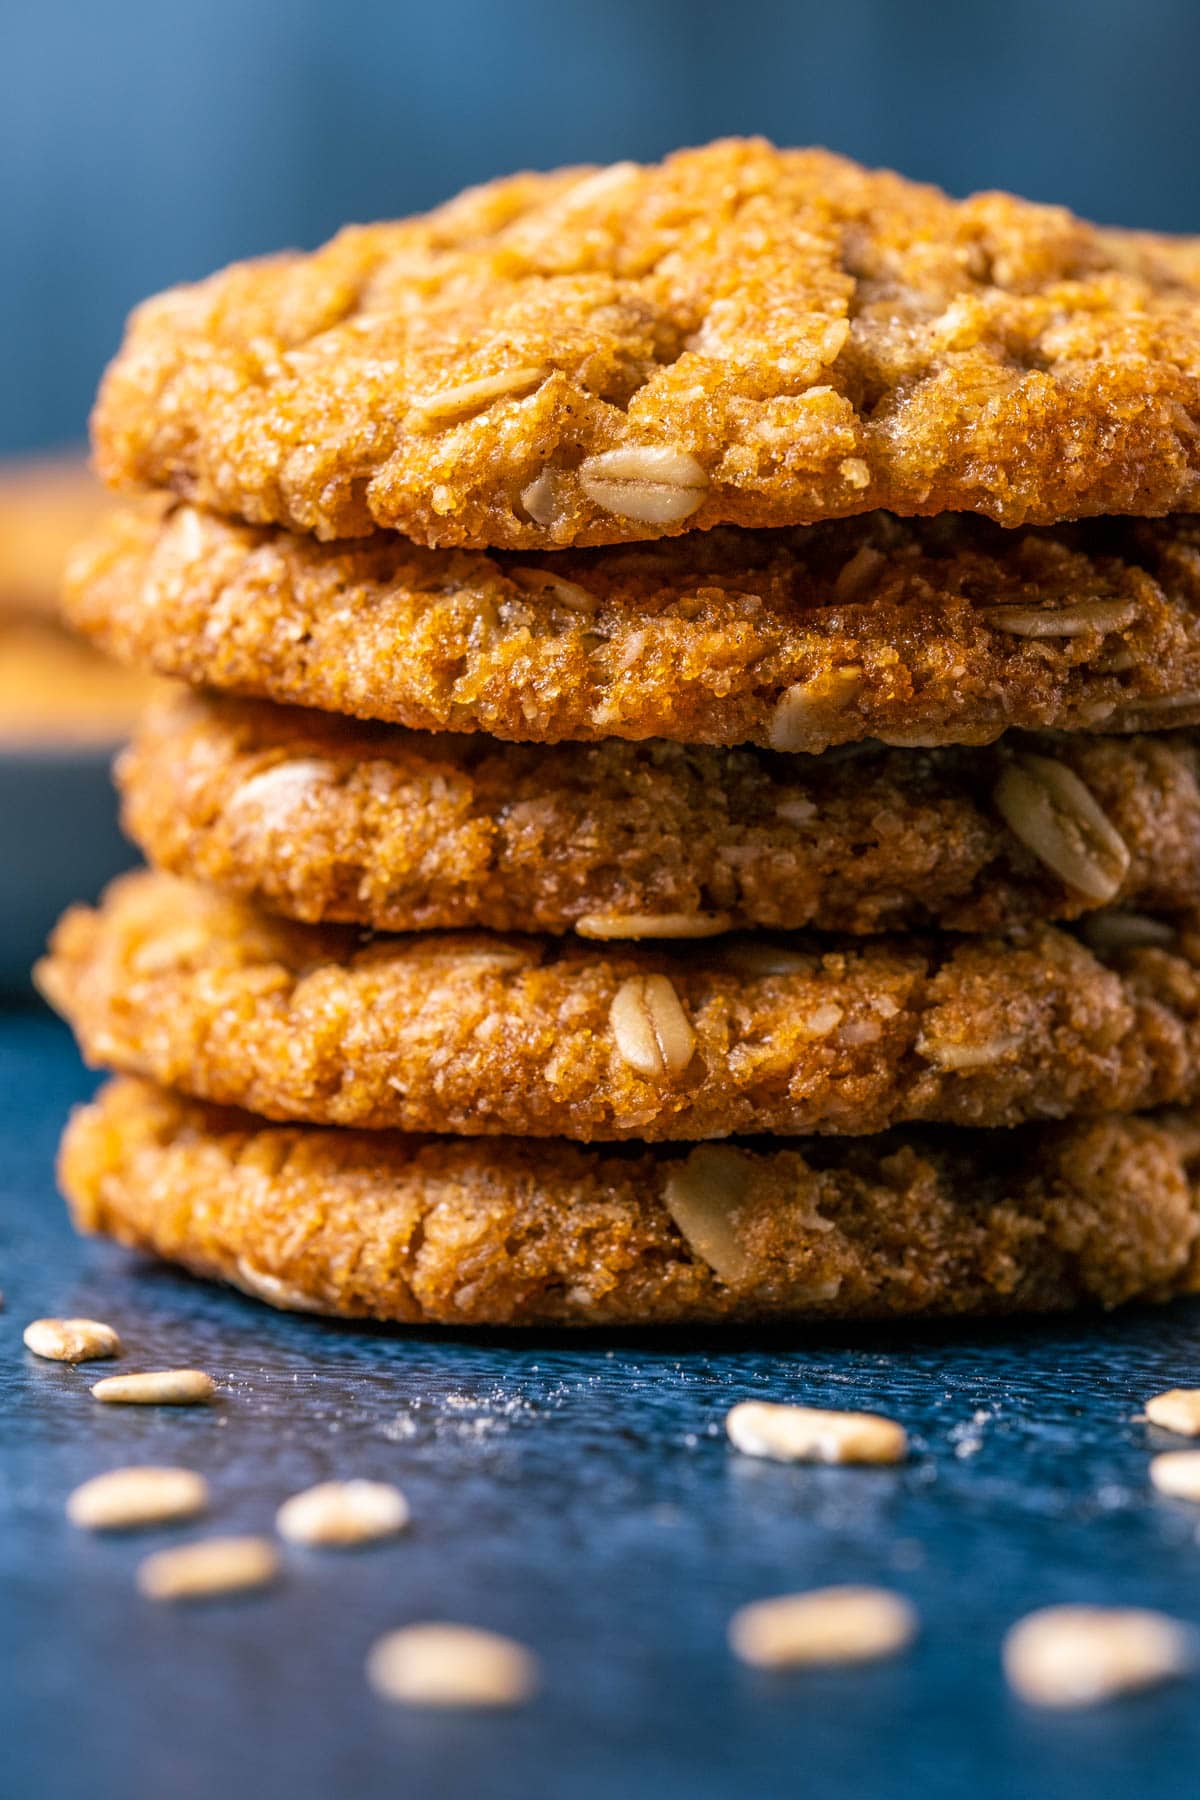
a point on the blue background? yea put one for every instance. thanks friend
(574, 1492)
(144, 142)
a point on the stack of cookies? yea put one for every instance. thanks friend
(670, 823)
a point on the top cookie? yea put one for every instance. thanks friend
(736, 335)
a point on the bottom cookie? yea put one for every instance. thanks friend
(512, 1232)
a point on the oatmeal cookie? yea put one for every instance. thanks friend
(928, 632)
(738, 335)
(478, 1033)
(320, 818)
(376, 1225)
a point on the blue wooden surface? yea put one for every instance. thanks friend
(578, 1494)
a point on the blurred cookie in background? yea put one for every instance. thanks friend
(53, 687)
(64, 709)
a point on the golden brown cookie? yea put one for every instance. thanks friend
(737, 335)
(57, 690)
(939, 631)
(321, 818)
(375, 1225)
(475, 1033)
(46, 506)
(53, 688)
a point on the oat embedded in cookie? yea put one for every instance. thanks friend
(477, 1033)
(517, 1232)
(739, 335)
(794, 640)
(324, 819)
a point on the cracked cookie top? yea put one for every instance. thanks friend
(739, 335)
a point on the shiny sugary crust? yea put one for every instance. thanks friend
(485, 1034)
(802, 338)
(323, 819)
(509, 1233)
(797, 640)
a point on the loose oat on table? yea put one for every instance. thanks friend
(210, 1567)
(1177, 1472)
(1067, 1656)
(539, 1232)
(127, 1499)
(700, 642)
(821, 1628)
(71, 1340)
(452, 1665)
(474, 1033)
(157, 1387)
(814, 1434)
(321, 818)
(1177, 1410)
(738, 333)
(343, 1513)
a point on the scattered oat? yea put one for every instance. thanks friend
(451, 1665)
(1049, 809)
(343, 1512)
(1083, 1655)
(71, 1340)
(1177, 1473)
(814, 1434)
(650, 1027)
(224, 1565)
(1177, 1410)
(825, 1626)
(653, 484)
(124, 1499)
(157, 1387)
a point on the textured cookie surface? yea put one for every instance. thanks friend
(321, 819)
(478, 1033)
(738, 335)
(502, 1232)
(928, 632)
